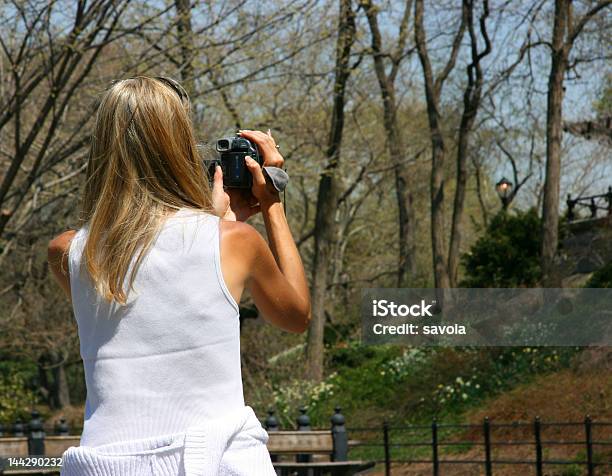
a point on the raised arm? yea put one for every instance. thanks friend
(273, 272)
(280, 293)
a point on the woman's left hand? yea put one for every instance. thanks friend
(232, 204)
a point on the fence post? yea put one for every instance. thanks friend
(36, 435)
(339, 436)
(18, 428)
(271, 424)
(61, 427)
(1, 429)
(570, 207)
(593, 208)
(537, 431)
(303, 423)
(487, 441)
(609, 199)
(589, 445)
(434, 447)
(387, 449)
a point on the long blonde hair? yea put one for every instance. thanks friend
(142, 164)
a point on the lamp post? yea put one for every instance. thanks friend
(504, 191)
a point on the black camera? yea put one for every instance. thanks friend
(231, 153)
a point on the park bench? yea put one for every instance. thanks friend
(329, 447)
(303, 445)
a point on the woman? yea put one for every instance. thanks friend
(155, 274)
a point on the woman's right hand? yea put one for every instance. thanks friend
(267, 146)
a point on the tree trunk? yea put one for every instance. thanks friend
(327, 197)
(397, 151)
(550, 207)
(458, 206)
(471, 103)
(60, 390)
(44, 381)
(441, 275)
(324, 232)
(407, 224)
(185, 37)
(438, 152)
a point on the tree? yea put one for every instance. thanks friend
(566, 29)
(49, 68)
(185, 38)
(395, 139)
(471, 103)
(327, 197)
(433, 91)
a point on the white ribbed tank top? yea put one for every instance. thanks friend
(170, 358)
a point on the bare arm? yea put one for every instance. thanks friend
(247, 260)
(284, 254)
(273, 273)
(57, 257)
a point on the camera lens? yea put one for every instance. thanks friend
(223, 144)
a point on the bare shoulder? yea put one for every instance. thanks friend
(58, 246)
(61, 242)
(241, 235)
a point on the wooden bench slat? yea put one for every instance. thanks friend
(300, 442)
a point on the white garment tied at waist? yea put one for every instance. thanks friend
(233, 445)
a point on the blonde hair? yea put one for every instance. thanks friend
(142, 164)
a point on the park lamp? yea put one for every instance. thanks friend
(504, 191)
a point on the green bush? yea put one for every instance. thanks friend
(602, 278)
(508, 254)
(492, 371)
(412, 384)
(17, 389)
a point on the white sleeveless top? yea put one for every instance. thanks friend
(163, 372)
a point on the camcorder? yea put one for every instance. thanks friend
(231, 152)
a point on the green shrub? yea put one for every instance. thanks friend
(17, 389)
(602, 278)
(490, 372)
(508, 254)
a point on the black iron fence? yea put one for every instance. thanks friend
(440, 445)
(593, 203)
(586, 445)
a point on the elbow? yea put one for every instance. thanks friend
(302, 318)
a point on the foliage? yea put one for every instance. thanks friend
(508, 254)
(302, 393)
(354, 380)
(507, 367)
(602, 278)
(413, 384)
(16, 395)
